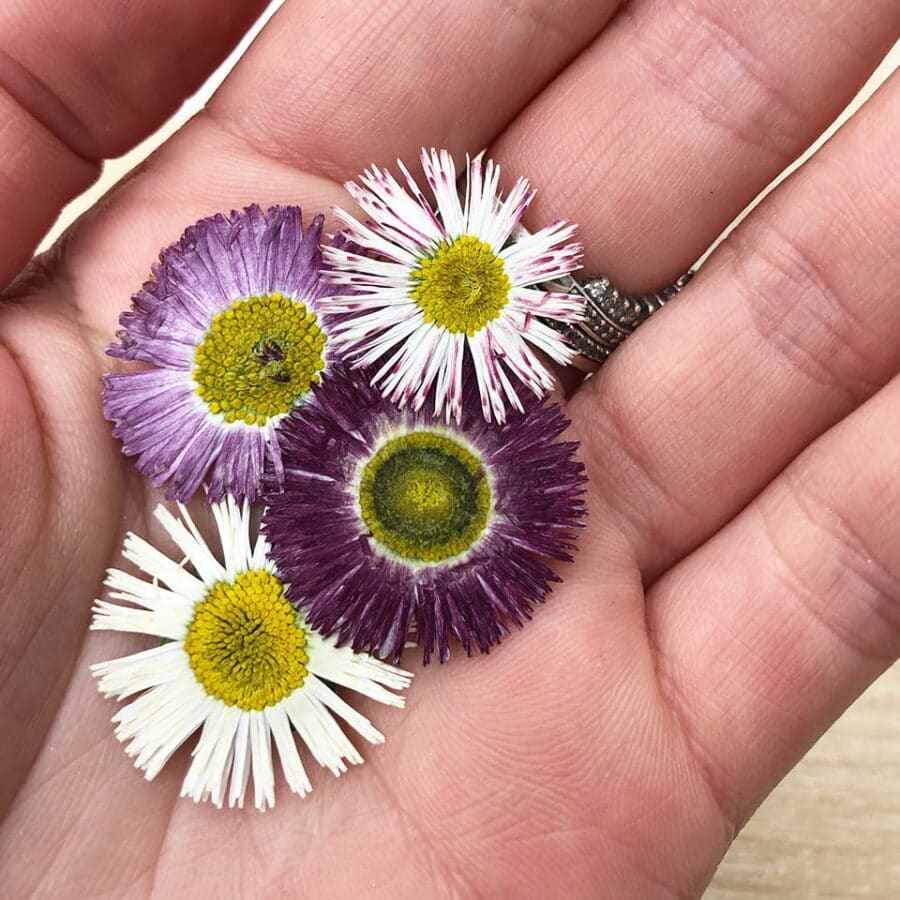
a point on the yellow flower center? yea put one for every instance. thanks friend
(424, 497)
(462, 286)
(245, 643)
(258, 358)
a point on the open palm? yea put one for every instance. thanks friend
(739, 581)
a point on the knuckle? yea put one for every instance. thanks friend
(846, 586)
(632, 482)
(541, 19)
(801, 315)
(707, 768)
(36, 100)
(705, 58)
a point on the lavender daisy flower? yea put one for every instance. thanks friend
(231, 324)
(428, 287)
(390, 518)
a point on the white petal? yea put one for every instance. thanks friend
(519, 358)
(508, 215)
(370, 240)
(549, 341)
(158, 722)
(131, 674)
(207, 776)
(448, 391)
(364, 271)
(154, 744)
(330, 700)
(261, 760)
(481, 197)
(186, 535)
(240, 763)
(416, 192)
(294, 773)
(385, 201)
(359, 671)
(411, 367)
(543, 256)
(158, 565)
(549, 304)
(436, 357)
(318, 730)
(441, 174)
(160, 623)
(371, 327)
(148, 594)
(229, 526)
(365, 302)
(487, 376)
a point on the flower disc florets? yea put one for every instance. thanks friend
(424, 497)
(258, 358)
(461, 286)
(245, 643)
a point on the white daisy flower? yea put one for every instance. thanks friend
(237, 661)
(427, 286)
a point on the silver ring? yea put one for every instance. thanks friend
(610, 316)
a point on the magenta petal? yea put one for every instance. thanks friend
(349, 588)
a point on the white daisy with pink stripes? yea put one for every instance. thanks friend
(436, 289)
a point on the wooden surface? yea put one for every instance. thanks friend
(832, 828)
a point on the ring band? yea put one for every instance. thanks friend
(610, 316)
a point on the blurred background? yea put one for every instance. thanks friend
(832, 828)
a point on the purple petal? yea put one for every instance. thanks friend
(351, 589)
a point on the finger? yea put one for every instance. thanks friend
(290, 118)
(792, 324)
(348, 83)
(83, 81)
(771, 629)
(680, 113)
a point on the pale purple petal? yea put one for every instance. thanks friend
(157, 413)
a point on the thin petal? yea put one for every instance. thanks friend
(440, 173)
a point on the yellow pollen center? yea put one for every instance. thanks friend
(461, 286)
(424, 498)
(245, 644)
(258, 358)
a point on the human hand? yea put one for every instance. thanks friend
(737, 584)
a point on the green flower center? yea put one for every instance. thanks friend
(245, 643)
(258, 358)
(424, 497)
(462, 286)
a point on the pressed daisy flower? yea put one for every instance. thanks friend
(391, 518)
(427, 287)
(231, 325)
(238, 661)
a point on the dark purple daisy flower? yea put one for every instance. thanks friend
(231, 327)
(389, 518)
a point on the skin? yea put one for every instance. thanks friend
(739, 582)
